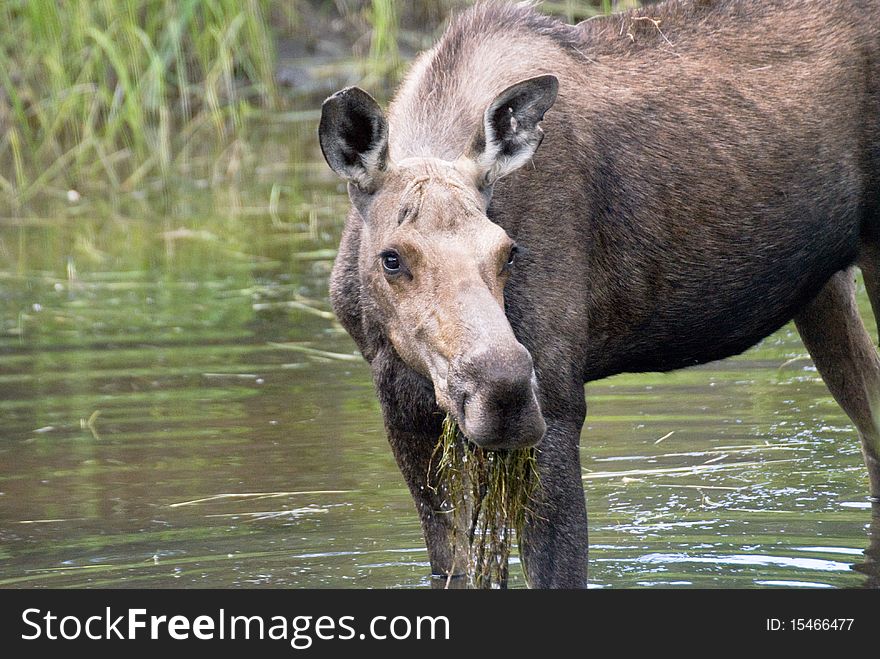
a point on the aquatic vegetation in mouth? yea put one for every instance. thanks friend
(494, 490)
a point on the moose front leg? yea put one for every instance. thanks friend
(413, 423)
(445, 529)
(554, 547)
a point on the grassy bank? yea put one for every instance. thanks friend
(105, 95)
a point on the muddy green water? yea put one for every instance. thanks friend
(178, 408)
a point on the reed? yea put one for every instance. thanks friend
(108, 94)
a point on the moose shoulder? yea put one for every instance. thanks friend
(708, 172)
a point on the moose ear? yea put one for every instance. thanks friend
(354, 137)
(510, 134)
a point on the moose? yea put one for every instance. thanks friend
(707, 172)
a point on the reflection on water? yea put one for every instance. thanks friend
(870, 563)
(179, 408)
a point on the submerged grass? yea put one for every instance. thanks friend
(495, 489)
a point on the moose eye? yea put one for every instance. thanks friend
(391, 262)
(512, 256)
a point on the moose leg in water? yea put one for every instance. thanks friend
(847, 360)
(413, 439)
(554, 546)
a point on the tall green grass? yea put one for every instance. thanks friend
(384, 56)
(108, 93)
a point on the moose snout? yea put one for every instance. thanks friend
(495, 391)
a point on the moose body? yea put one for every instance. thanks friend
(709, 171)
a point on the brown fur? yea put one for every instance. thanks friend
(710, 170)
